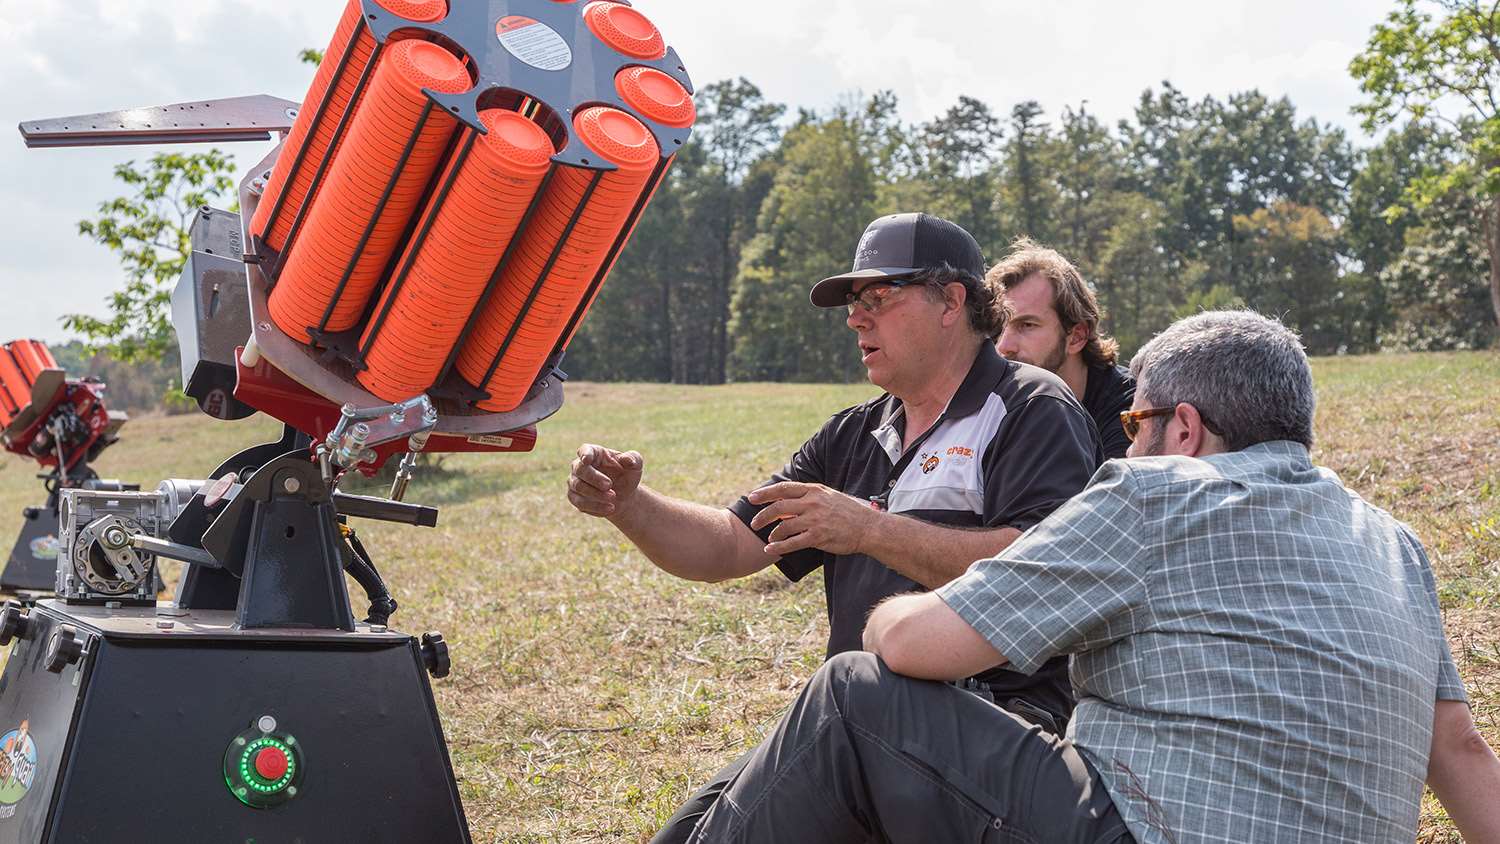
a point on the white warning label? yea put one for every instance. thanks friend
(533, 42)
(491, 439)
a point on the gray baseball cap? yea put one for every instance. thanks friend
(899, 246)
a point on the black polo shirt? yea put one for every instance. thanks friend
(1012, 445)
(1109, 391)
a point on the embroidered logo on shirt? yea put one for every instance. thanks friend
(956, 456)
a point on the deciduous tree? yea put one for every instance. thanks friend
(149, 231)
(1439, 61)
(822, 198)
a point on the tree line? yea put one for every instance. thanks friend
(1190, 204)
(1186, 204)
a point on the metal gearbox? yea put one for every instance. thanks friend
(97, 562)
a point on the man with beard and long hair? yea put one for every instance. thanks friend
(1050, 318)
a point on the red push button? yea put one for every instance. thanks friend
(270, 763)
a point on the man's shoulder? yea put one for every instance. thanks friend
(1024, 382)
(1396, 526)
(1114, 375)
(866, 415)
(1038, 405)
(1165, 470)
(1110, 389)
(875, 406)
(1279, 464)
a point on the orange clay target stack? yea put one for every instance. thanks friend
(452, 195)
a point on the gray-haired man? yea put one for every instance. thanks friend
(1257, 652)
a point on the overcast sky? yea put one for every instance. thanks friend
(62, 57)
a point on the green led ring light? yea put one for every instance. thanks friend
(244, 778)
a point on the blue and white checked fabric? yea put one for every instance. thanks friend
(1257, 650)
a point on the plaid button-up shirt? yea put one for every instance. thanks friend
(1256, 649)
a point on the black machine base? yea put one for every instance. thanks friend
(33, 562)
(168, 725)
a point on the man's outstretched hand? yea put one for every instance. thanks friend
(812, 516)
(604, 481)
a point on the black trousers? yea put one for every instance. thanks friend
(869, 755)
(678, 827)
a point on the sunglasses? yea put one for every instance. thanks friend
(1131, 420)
(876, 294)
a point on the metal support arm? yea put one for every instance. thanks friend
(251, 118)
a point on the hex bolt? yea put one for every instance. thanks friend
(115, 537)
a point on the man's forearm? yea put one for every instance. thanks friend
(1465, 774)
(932, 554)
(689, 540)
(919, 636)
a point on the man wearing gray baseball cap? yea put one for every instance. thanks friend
(898, 248)
(961, 453)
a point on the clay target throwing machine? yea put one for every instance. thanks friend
(407, 268)
(62, 425)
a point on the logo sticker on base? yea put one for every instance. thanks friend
(45, 547)
(17, 767)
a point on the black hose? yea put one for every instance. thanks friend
(359, 567)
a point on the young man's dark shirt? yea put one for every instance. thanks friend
(1011, 447)
(1109, 392)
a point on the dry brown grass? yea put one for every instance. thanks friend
(591, 693)
(1420, 436)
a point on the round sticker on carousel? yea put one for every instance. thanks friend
(533, 42)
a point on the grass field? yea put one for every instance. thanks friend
(591, 693)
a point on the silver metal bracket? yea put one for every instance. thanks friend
(251, 118)
(359, 430)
